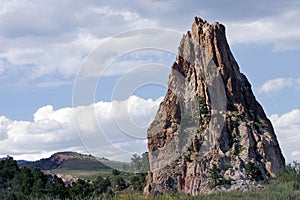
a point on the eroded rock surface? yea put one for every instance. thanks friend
(209, 133)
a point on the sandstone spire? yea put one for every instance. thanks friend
(210, 131)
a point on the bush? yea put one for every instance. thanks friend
(120, 184)
(115, 172)
(253, 171)
(214, 174)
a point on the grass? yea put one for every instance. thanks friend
(272, 192)
(286, 185)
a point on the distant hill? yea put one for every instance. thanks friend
(23, 162)
(19, 162)
(72, 161)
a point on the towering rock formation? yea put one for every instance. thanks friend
(209, 132)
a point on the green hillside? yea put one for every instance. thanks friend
(75, 164)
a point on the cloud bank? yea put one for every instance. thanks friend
(56, 42)
(55, 130)
(99, 133)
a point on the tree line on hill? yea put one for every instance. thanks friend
(22, 183)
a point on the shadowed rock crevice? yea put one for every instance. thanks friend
(209, 128)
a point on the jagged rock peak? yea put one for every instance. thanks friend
(209, 133)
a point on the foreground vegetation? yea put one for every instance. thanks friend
(286, 185)
(23, 183)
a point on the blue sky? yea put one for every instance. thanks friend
(43, 46)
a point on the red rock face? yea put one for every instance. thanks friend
(209, 117)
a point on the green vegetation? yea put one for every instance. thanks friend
(286, 185)
(195, 112)
(74, 161)
(253, 171)
(214, 174)
(187, 158)
(203, 107)
(23, 183)
(227, 166)
(86, 167)
(138, 164)
(216, 177)
(231, 108)
(204, 110)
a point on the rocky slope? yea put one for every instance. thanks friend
(209, 133)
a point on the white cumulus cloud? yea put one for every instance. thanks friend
(94, 126)
(287, 128)
(280, 29)
(276, 85)
(55, 43)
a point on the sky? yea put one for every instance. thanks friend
(51, 101)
